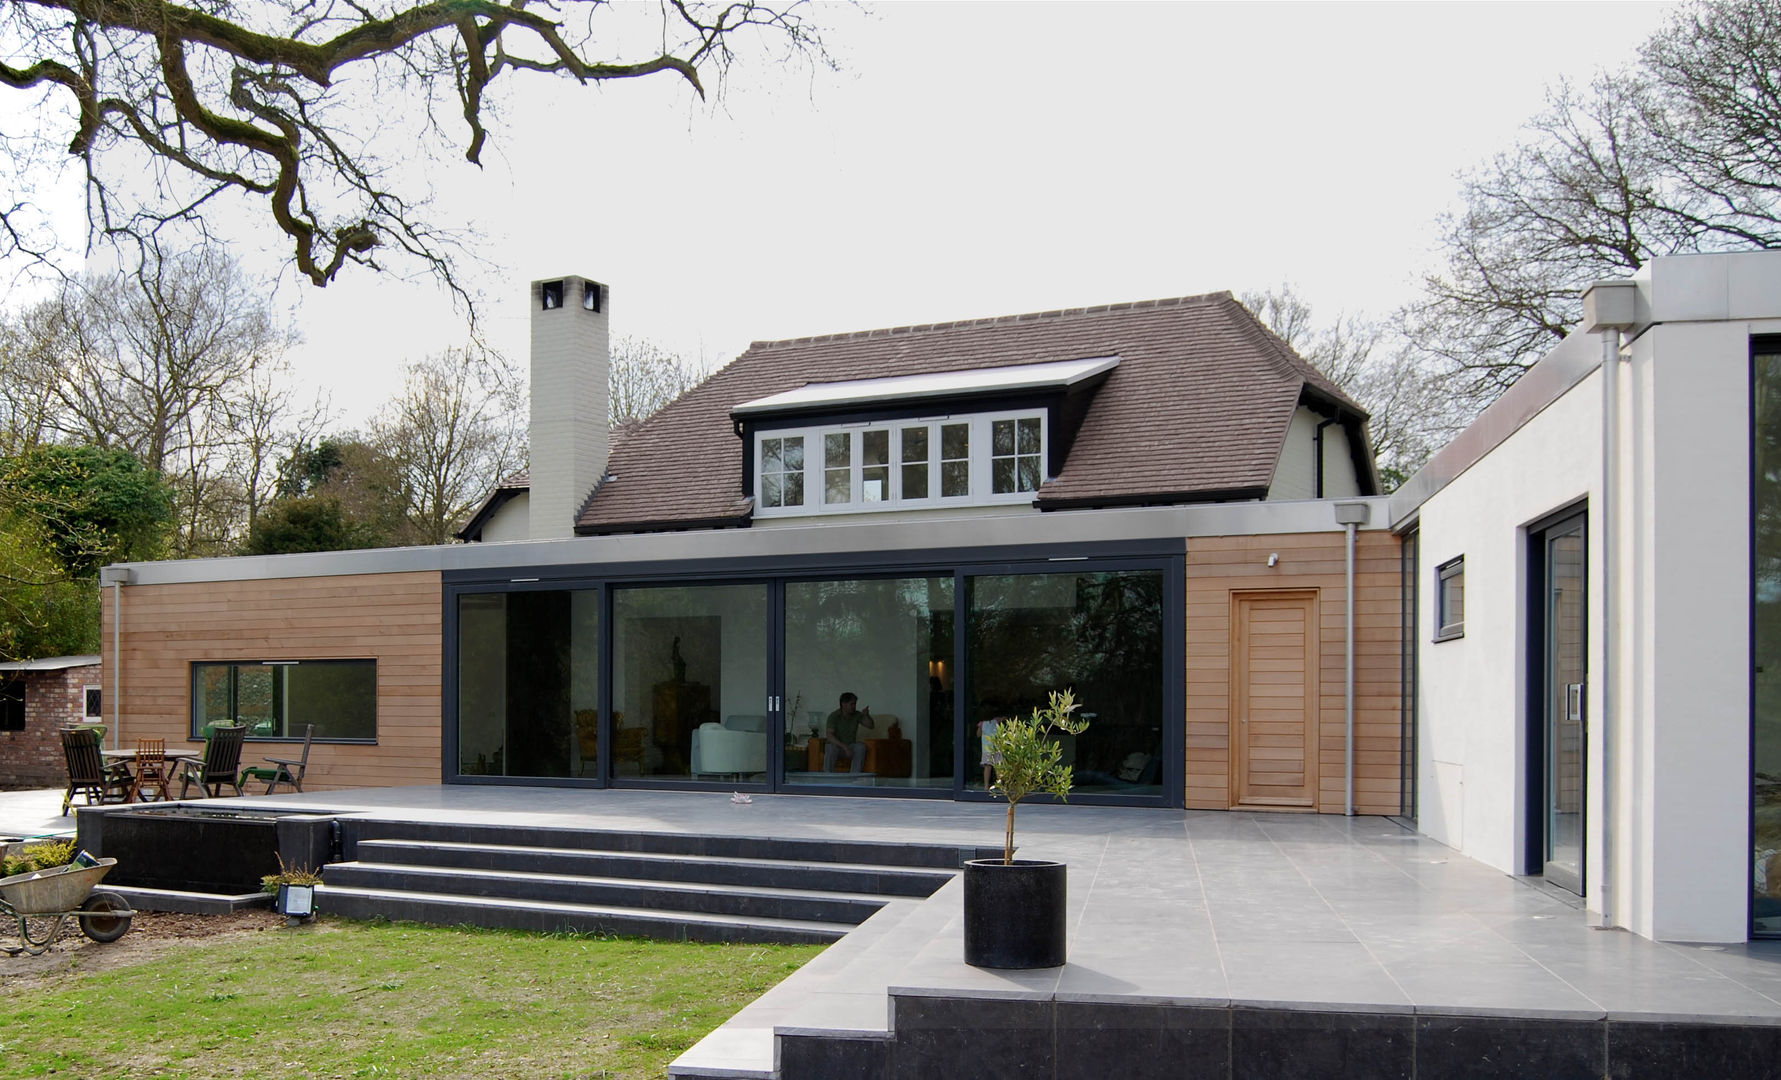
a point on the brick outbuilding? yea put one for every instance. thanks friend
(38, 698)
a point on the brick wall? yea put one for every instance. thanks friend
(33, 757)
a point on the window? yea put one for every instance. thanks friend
(528, 683)
(782, 471)
(91, 696)
(1014, 455)
(1450, 599)
(551, 295)
(278, 699)
(972, 460)
(12, 703)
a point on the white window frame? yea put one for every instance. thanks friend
(979, 495)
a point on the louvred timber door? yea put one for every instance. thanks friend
(1274, 691)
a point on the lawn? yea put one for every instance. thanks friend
(351, 999)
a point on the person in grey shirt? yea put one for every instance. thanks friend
(841, 734)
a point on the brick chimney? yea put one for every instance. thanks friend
(570, 360)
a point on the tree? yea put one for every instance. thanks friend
(64, 512)
(340, 493)
(1411, 411)
(299, 107)
(457, 427)
(644, 377)
(89, 505)
(166, 363)
(1678, 153)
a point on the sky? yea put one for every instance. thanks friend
(983, 159)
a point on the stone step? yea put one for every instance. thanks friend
(549, 917)
(702, 869)
(873, 853)
(846, 909)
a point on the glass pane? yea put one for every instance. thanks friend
(1765, 792)
(794, 454)
(772, 491)
(915, 481)
(874, 448)
(770, 461)
(915, 444)
(794, 489)
(1565, 682)
(955, 478)
(1029, 474)
(1001, 437)
(340, 699)
(689, 682)
(528, 683)
(837, 486)
(1001, 475)
(1099, 634)
(210, 695)
(1029, 435)
(875, 483)
(256, 701)
(955, 441)
(888, 642)
(838, 449)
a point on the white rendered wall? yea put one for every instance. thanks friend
(1295, 474)
(1472, 712)
(512, 521)
(571, 359)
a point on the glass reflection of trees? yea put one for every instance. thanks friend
(1099, 634)
(1766, 644)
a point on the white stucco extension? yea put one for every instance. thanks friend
(1669, 837)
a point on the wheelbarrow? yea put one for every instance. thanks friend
(44, 901)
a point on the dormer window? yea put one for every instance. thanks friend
(975, 437)
(887, 465)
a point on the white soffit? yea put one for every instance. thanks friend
(1056, 374)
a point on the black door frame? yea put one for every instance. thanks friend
(1536, 760)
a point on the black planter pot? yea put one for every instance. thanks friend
(1014, 914)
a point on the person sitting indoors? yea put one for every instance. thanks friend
(841, 734)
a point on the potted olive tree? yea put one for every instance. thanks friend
(1014, 908)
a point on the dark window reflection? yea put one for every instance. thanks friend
(528, 683)
(1099, 634)
(1765, 795)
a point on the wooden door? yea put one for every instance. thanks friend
(1274, 688)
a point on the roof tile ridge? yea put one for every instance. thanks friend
(1285, 357)
(994, 320)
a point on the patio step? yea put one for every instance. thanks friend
(555, 918)
(703, 869)
(673, 885)
(796, 904)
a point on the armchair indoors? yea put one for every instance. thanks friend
(738, 745)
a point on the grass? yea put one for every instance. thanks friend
(353, 999)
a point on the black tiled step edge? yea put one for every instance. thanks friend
(849, 909)
(706, 869)
(935, 1038)
(550, 917)
(939, 856)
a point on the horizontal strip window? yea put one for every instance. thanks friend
(278, 700)
(976, 460)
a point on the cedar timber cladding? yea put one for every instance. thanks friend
(394, 619)
(1197, 409)
(1217, 567)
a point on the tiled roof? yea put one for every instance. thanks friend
(1199, 405)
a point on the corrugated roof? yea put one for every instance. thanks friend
(1198, 406)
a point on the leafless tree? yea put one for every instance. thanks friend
(645, 377)
(456, 428)
(300, 109)
(1678, 153)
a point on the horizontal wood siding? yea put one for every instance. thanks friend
(1219, 566)
(391, 618)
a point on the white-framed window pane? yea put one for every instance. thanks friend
(1028, 440)
(771, 461)
(837, 470)
(1001, 438)
(955, 460)
(1001, 475)
(782, 462)
(915, 462)
(1029, 473)
(794, 489)
(794, 454)
(875, 466)
(772, 490)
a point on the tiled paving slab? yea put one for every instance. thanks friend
(1390, 948)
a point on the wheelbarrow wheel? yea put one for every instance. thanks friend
(104, 927)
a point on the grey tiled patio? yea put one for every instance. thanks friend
(1172, 907)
